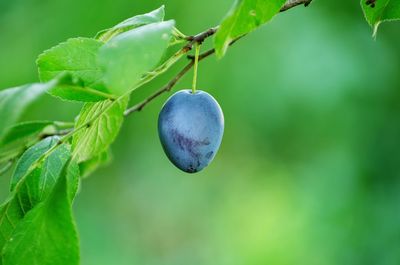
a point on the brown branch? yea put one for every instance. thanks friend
(292, 3)
(166, 88)
(199, 38)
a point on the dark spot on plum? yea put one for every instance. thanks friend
(186, 143)
(191, 169)
(209, 154)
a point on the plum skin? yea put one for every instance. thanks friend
(190, 127)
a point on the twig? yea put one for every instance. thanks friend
(166, 88)
(170, 85)
(199, 38)
(292, 3)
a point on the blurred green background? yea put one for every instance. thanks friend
(309, 168)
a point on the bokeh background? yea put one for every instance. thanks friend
(309, 168)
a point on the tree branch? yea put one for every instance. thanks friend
(198, 38)
(292, 3)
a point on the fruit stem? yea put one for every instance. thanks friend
(196, 62)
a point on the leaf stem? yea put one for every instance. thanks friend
(178, 34)
(64, 124)
(196, 64)
(97, 93)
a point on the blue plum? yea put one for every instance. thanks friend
(190, 127)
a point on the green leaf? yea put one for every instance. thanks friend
(43, 178)
(30, 157)
(130, 55)
(88, 167)
(104, 123)
(73, 89)
(47, 235)
(244, 17)
(381, 11)
(132, 23)
(13, 102)
(23, 135)
(32, 183)
(78, 57)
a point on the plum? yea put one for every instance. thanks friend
(190, 127)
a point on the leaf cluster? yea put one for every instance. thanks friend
(36, 220)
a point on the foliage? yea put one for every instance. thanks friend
(36, 222)
(105, 119)
(245, 16)
(78, 57)
(130, 55)
(380, 11)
